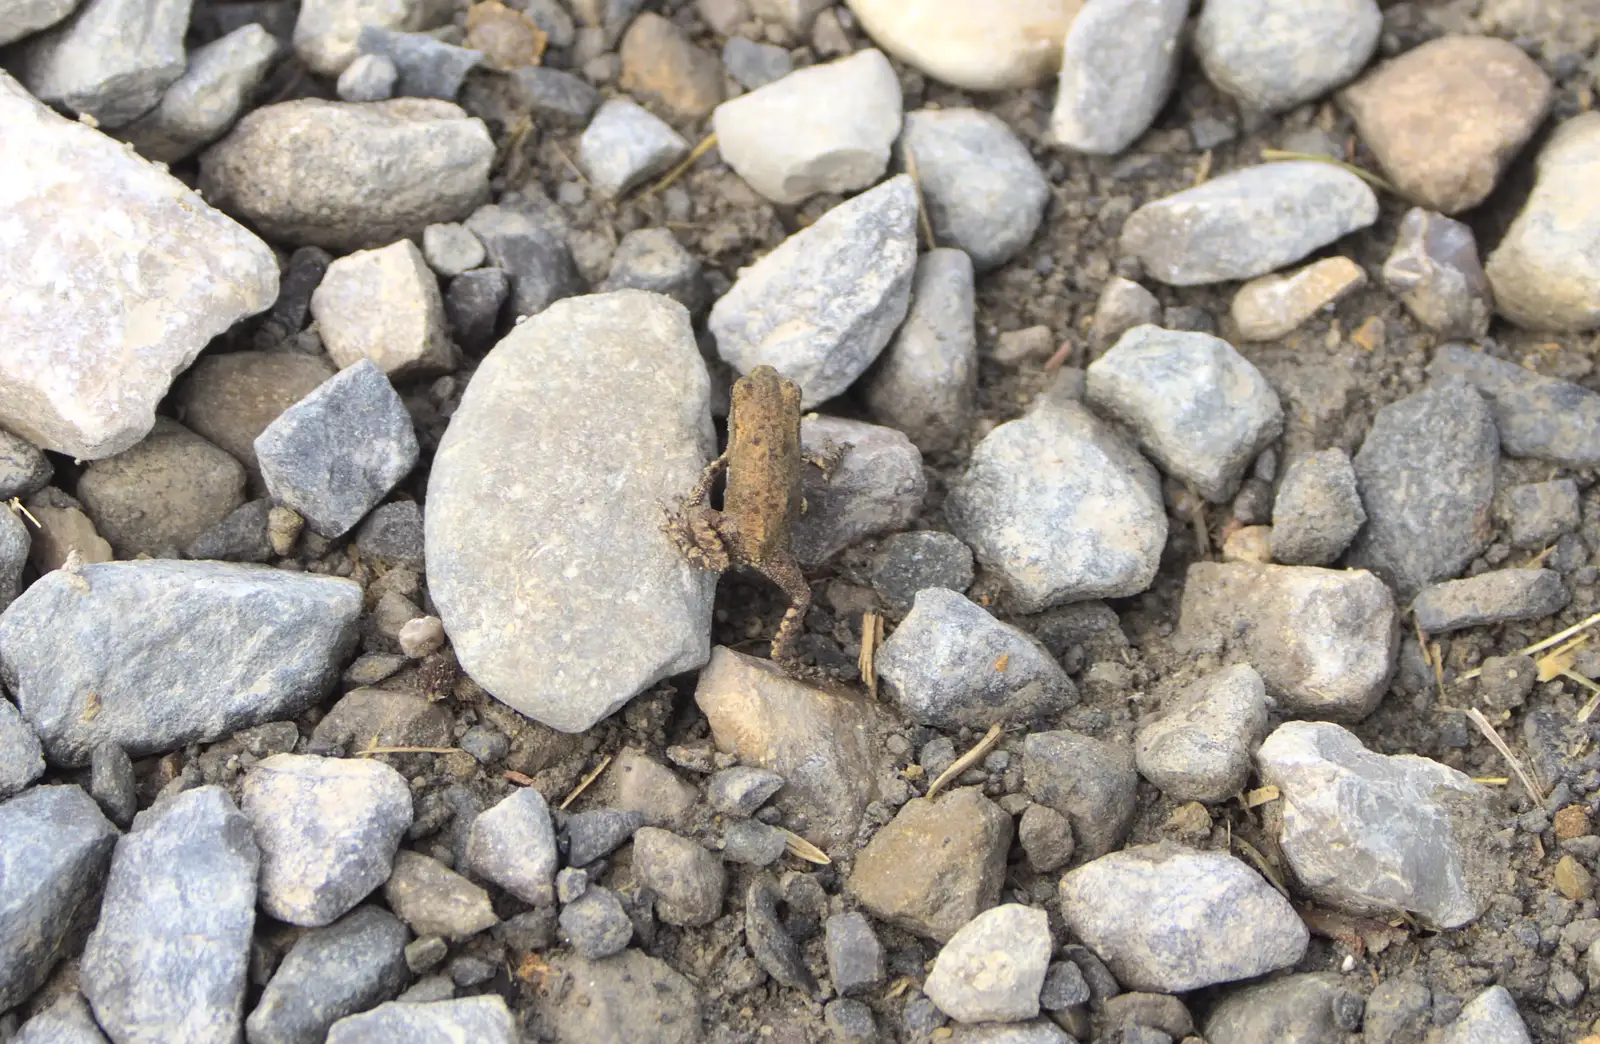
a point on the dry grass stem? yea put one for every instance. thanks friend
(1279, 155)
(1268, 871)
(1261, 796)
(405, 750)
(871, 638)
(1540, 646)
(583, 784)
(923, 222)
(1511, 759)
(705, 146)
(967, 760)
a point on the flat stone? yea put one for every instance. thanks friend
(1170, 919)
(1039, 1031)
(550, 96)
(513, 844)
(827, 128)
(1546, 270)
(21, 756)
(63, 529)
(200, 106)
(822, 305)
(196, 485)
(1061, 506)
(596, 925)
(328, 829)
(624, 145)
(952, 665)
(1247, 222)
(913, 562)
(1539, 513)
(384, 305)
(1200, 748)
(345, 968)
(629, 997)
(1375, 834)
(773, 948)
(1324, 641)
(821, 741)
(360, 175)
(1435, 271)
(970, 43)
(1501, 596)
(117, 276)
(984, 192)
(67, 1021)
(451, 249)
(855, 956)
(993, 968)
(533, 637)
(662, 65)
(754, 65)
(25, 17)
(752, 841)
(336, 453)
(169, 958)
(688, 881)
(111, 61)
(432, 899)
(369, 78)
(52, 869)
(368, 717)
(1448, 154)
(73, 652)
(1092, 782)
(534, 256)
(15, 545)
(926, 381)
(427, 67)
(1317, 511)
(393, 533)
(1198, 406)
(936, 865)
(1536, 416)
(326, 31)
(652, 259)
(1273, 306)
(876, 486)
(483, 1020)
(24, 470)
(1426, 472)
(1296, 1009)
(230, 399)
(1118, 65)
(1275, 54)
(1489, 1018)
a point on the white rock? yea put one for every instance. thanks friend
(383, 305)
(325, 33)
(993, 968)
(827, 128)
(977, 44)
(624, 144)
(1274, 54)
(1118, 66)
(19, 18)
(113, 277)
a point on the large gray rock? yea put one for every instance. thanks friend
(21, 756)
(1062, 507)
(116, 276)
(926, 381)
(993, 968)
(359, 175)
(1536, 416)
(15, 544)
(230, 399)
(821, 306)
(1295, 1009)
(328, 829)
(336, 453)
(52, 867)
(1324, 640)
(482, 1020)
(155, 654)
(170, 957)
(1198, 406)
(984, 193)
(1427, 475)
(111, 61)
(580, 625)
(331, 972)
(1489, 1018)
(205, 101)
(950, 665)
(875, 486)
(1248, 222)
(823, 129)
(1118, 64)
(1546, 270)
(1170, 919)
(1376, 834)
(1274, 54)
(1200, 748)
(25, 17)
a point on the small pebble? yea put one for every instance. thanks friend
(507, 38)
(1541, 512)
(661, 65)
(915, 561)
(432, 899)
(624, 145)
(1501, 596)
(1046, 836)
(1318, 1005)
(1119, 62)
(688, 881)
(1200, 749)
(427, 67)
(1274, 306)
(451, 249)
(473, 302)
(741, 790)
(1122, 305)
(592, 835)
(653, 259)
(384, 305)
(993, 969)
(876, 485)
(1317, 511)
(855, 956)
(753, 842)
(1435, 271)
(596, 925)
(1090, 781)
(1535, 416)
(754, 64)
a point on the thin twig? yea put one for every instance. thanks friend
(1489, 733)
(405, 750)
(16, 504)
(1278, 155)
(967, 760)
(1268, 871)
(583, 784)
(1202, 170)
(922, 204)
(677, 172)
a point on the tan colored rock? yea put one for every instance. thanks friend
(230, 399)
(1248, 544)
(661, 64)
(1546, 271)
(384, 305)
(508, 38)
(62, 529)
(976, 44)
(1274, 306)
(636, 782)
(936, 865)
(822, 742)
(1445, 118)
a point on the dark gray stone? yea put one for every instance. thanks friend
(514, 845)
(742, 790)
(336, 453)
(1426, 473)
(170, 957)
(552, 96)
(688, 881)
(393, 534)
(1064, 987)
(596, 925)
(472, 303)
(1200, 748)
(1158, 1012)
(1046, 836)
(1272, 55)
(591, 835)
(534, 256)
(855, 956)
(1435, 271)
(911, 562)
(528, 932)
(1504, 682)
(875, 485)
(1091, 782)
(1398, 1011)
(771, 945)
(112, 784)
(850, 1021)
(287, 317)
(428, 68)
(1498, 597)
(432, 899)
(344, 968)
(754, 842)
(24, 469)
(754, 64)
(1536, 416)
(1317, 511)
(950, 664)
(67, 1021)
(21, 756)
(15, 543)
(653, 259)
(111, 61)
(1296, 1009)
(52, 868)
(1540, 512)
(239, 645)
(482, 1020)
(241, 537)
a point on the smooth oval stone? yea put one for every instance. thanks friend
(976, 44)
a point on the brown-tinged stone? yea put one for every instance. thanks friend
(1571, 822)
(937, 865)
(63, 528)
(508, 38)
(659, 63)
(1573, 880)
(636, 782)
(1445, 118)
(1274, 306)
(230, 399)
(1248, 544)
